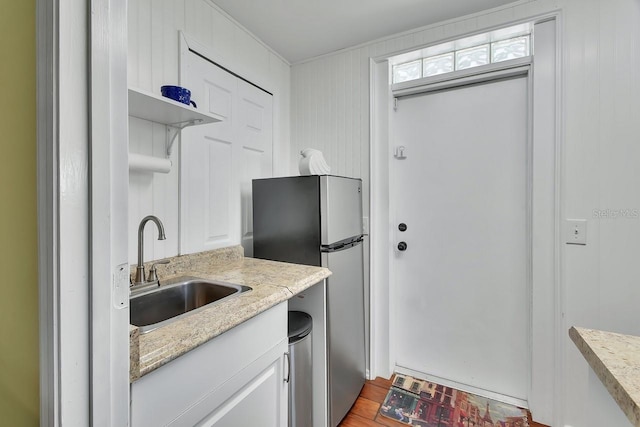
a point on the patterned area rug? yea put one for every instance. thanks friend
(417, 402)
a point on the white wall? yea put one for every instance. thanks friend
(601, 96)
(153, 62)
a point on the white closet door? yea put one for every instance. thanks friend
(213, 159)
(256, 134)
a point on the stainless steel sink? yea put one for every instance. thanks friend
(178, 298)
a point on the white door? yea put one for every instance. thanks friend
(461, 286)
(255, 133)
(219, 160)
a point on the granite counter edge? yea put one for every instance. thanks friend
(627, 404)
(138, 369)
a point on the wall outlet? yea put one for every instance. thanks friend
(576, 233)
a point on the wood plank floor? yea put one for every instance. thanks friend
(365, 412)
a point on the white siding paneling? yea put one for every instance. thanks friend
(153, 61)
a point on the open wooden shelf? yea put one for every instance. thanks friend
(158, 109)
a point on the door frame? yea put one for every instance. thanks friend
(82, 151)
(109, 270)
(47, 102)
(546, 290)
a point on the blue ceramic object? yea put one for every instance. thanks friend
(178, 93)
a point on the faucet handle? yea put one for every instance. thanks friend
(153, 276)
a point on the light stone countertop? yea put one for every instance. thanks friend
(615, 358)
(272, 283)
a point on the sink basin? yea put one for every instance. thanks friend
(178, 298)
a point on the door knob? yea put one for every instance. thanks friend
(402, 246)
(402, 226)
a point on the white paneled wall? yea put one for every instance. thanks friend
(602, 58)
(601, 99)
(153, 61)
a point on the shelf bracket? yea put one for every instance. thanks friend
(173, 130)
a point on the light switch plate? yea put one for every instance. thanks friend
(121, 286)
(576, 231)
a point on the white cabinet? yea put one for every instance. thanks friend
(236, 379)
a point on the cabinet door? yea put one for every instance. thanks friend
(260, 402)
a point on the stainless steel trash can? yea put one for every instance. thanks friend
(300, 384)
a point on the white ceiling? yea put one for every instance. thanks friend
(302, 29)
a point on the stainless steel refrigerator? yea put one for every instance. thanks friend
(317, 220)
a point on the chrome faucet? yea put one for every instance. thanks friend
(139, 279)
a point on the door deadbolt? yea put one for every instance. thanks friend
(402, 226)
(402, 246)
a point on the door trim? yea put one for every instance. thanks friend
(74, 280)
(108, 215)
(485, 73)
(463, 387)
(48, 218)
(547, 335)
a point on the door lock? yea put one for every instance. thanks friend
(402, 246)
(402, 226)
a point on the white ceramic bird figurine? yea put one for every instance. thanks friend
(313, 163)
